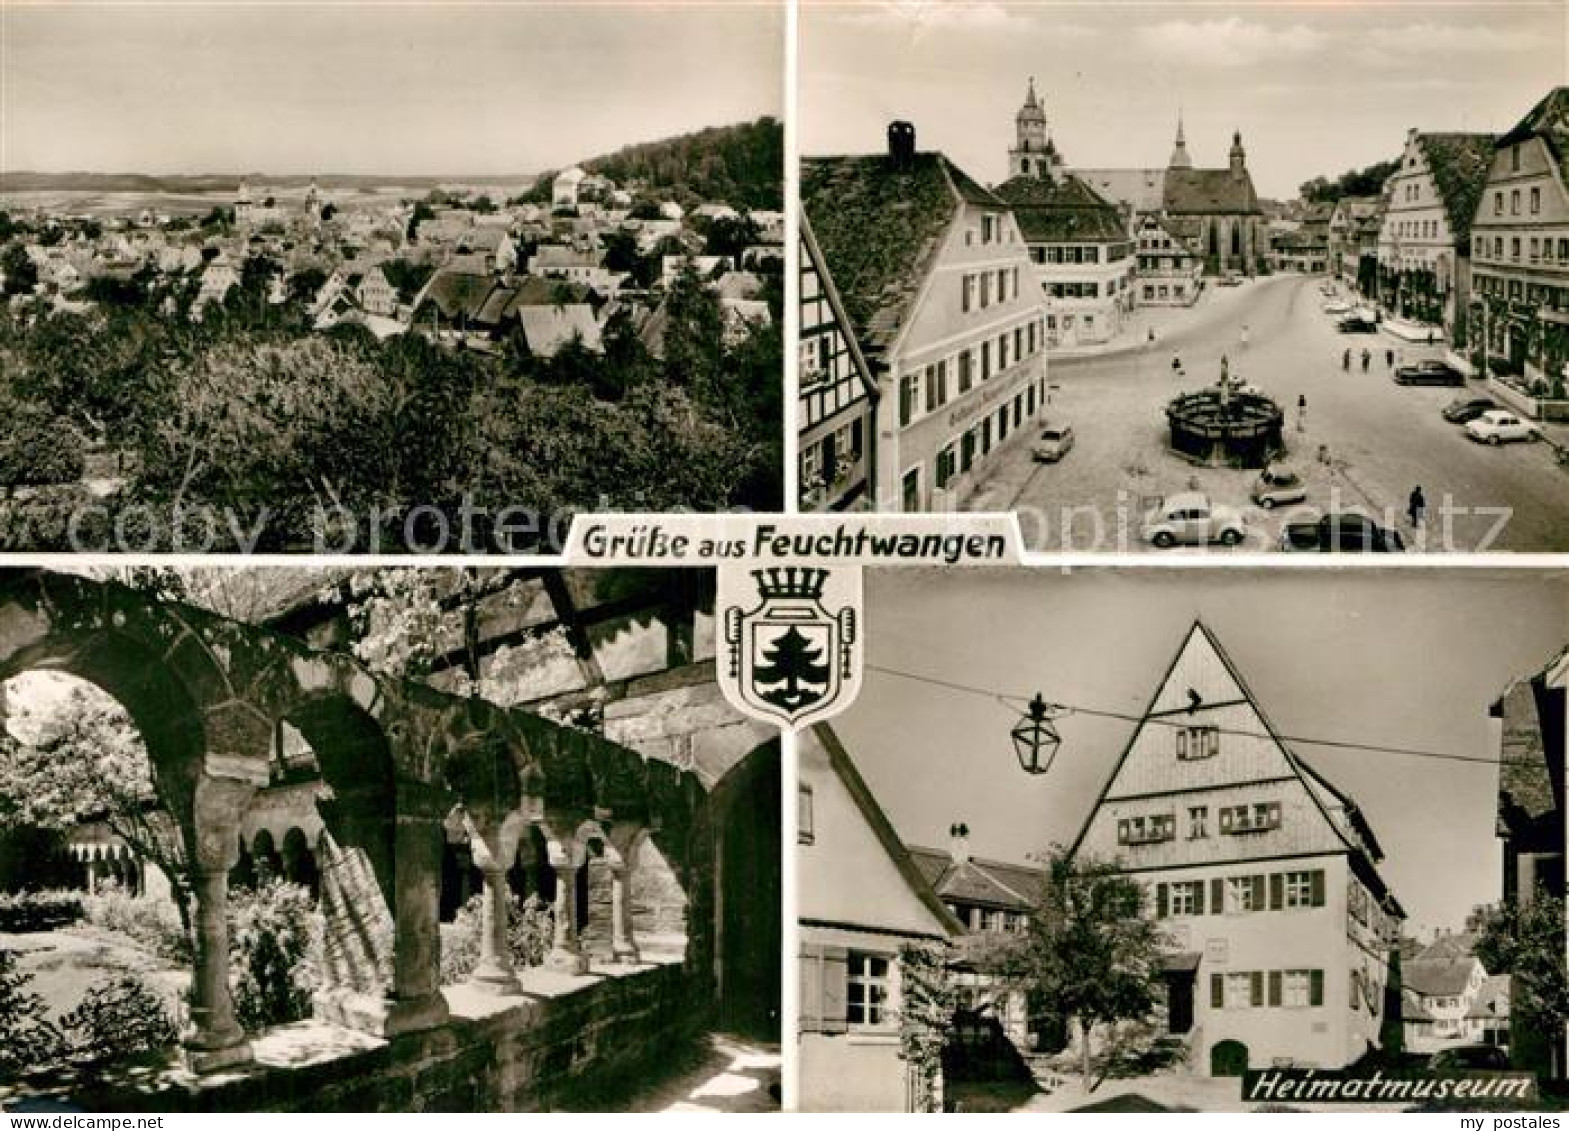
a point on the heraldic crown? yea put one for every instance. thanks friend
(790, 582)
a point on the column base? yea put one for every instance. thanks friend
(203, 1061)
(567, 961)
(626, 954)
(497, 982)
(380, 1016)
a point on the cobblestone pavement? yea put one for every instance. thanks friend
(1364, 441)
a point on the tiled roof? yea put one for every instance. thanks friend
(1459, 164)
(1437, 977)
(992, 883)
(458, 293)
(1139, 190)
(1549, 120)
(1062, 211)
(1524, 781)
(879, 227)
(548, 328)
(1209, 190)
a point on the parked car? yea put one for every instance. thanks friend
(1337, 306)
(1189, 518)
(1462, 409)
(1468, 1058)
(1497, 426)
(1276, 485)
(1229, 280)
(1357, 324)
(1053, 443)
(1340, 532)
(1430, 372)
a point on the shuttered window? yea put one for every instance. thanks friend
(867, 999)
(824, 972)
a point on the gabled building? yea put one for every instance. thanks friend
(835, 392)
(1520, 256)
(937, 284)
(1261, 873)
(1424, 244)
(1077, 239)
(1443, 981)
(1170, 273)
(1215, 212)
(1343, 242)
(861, 898)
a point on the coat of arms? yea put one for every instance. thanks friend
(791, 658)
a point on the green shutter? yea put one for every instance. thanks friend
(1217, 896)
(1318, 887)
(1198, 897)
(1258, 892)
(1217, 991)
(1277, 891)
(1274, 987)
(1315, 987)
(1162, 904)
(1257, 980)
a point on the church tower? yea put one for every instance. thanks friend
(1179, 152)
(1033, 154)
(1239, 158)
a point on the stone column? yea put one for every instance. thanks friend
(415, 1000)
(494, 844)
(626, 841)
(566, 857)
(214, 1039)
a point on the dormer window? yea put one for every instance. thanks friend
(1256, 818)
(1194, 743)
(1147, 830)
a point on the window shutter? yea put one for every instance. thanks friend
(1198, 897)
(1258, 892)
(1274, 987)
(1315, 987)
(1162, 903)
(1225, 820)
(1277, 891)
(1217, 991)
(1217, 896)
(811, 988)
(1318, 887)
(1257, 980)
(835, 989)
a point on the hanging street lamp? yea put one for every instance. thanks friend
(1035, 739)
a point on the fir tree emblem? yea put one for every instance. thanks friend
(790, 658)
(792, 675)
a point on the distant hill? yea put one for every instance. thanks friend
(22, 181)
(742, 165)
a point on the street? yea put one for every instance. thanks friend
(1366, 442)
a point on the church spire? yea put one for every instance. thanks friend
(1179, 152)
(1033, 153)
(1239, 157)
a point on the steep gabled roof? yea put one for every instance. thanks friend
(1062, 211)
(1169, 698)
(880, 225)
(992, 883)
(1459, 164)
(1548, 119)
(1209, 191)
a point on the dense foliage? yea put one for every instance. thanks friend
(928, 998)
(118, 1019)
(1526, 941)
(27, 1038)
(39, 910)
(530, 928)
(273, 932)
(1353, 182)
(246, 431)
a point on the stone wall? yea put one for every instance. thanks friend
(574, 1048)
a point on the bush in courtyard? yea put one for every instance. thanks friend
(39, 910)
(272, 939)
(119, 1019)
(152, 924)
(531, 925)
(27, 1039)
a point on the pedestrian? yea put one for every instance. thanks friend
(1152, 335)
(1416, 506)
(1366, 357)
(1345, 362)
(1244, 335)
(1176, 366)
(1389, 358)
(1302, 412)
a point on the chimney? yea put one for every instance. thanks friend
(959, 842)
(901, 145)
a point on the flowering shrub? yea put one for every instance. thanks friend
(273, 937)
(152, 924)
(531, 925)
(39, 910)
(117, 1020)
(27, 1039)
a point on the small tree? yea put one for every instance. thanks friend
(1089, 951)
(27, 1039)
(927, 1002)
(1526, 941)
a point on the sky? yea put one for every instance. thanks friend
(435, 88)
(1315, 88)
(1402, 658)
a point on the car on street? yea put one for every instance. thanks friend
(1277, 485)
(1190, 519)
(1229, 280)
(1432, 371)
(1498, 426)
(1463, 408)
(1339, 532)
(1357, 324)
(1337, 306)
(1054, 442)
(1468, 1058)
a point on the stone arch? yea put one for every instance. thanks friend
(298, 862)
